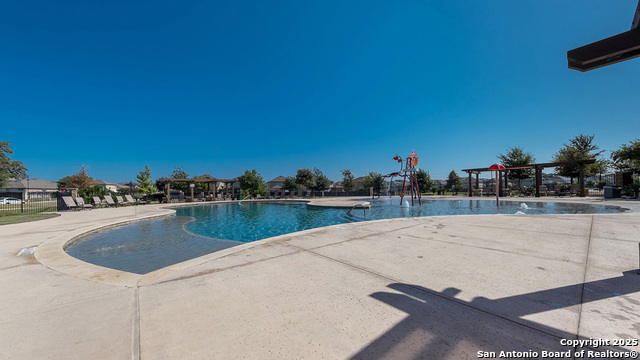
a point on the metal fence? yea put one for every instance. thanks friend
(16, 203)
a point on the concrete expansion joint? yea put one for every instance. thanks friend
(584, 278)
(135, 332)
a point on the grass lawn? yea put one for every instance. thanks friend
(14, 219)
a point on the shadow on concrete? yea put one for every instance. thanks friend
(440, 326)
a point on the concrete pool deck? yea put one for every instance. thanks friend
(440, 287)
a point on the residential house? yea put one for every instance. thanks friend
(113, 187)
(31, 188)
(276, 183)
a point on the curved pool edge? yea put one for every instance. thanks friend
(52, 255)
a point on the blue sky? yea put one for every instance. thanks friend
(221, 87)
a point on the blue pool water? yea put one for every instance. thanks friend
(251, 221)
(198, 230)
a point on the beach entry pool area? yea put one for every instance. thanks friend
(197, 230)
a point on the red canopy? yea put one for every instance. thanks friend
(496, 166)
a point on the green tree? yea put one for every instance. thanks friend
(81, 179)
(179, 173)
(201, 187)
(580, 147)
(453, 181)
(290, 183)
(322, 182)
(424, 180)
(376, 181)
(252, 183)
(89, 192)
(161, 183)
(514, 157)
(144, 181)
(10, 168)
(348, 182)
(306, 178)
(634, 187)
(627, 158)
(64, 182)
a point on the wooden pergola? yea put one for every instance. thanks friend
(211, 185)
(503, 174)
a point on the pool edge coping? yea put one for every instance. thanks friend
(51, 252)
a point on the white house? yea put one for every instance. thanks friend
(113, 187)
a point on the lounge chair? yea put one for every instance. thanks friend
(121, 201)
(543, 190)
(558, 190)
(130, 200)
(71, 205)
(574, 189)
(82, 205)
(109, 201)
(97, 202)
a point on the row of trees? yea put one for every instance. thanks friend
(581, 147)
(251, 183)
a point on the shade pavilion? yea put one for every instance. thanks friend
(503, 174)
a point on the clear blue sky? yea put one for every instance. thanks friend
(220, 87)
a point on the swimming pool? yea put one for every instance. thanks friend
(198, 230)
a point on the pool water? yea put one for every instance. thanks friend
(145, 245)
(198, 230)
(251, 221)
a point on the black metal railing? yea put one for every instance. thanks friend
(16, 203)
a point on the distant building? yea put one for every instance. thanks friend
(113, 187)
(359, 182)
(276, 183)
(336, 187)
(206, 177)
(31, 188)
(440, 183)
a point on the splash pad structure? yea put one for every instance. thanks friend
(409, 170)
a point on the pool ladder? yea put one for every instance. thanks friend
(364, 206)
